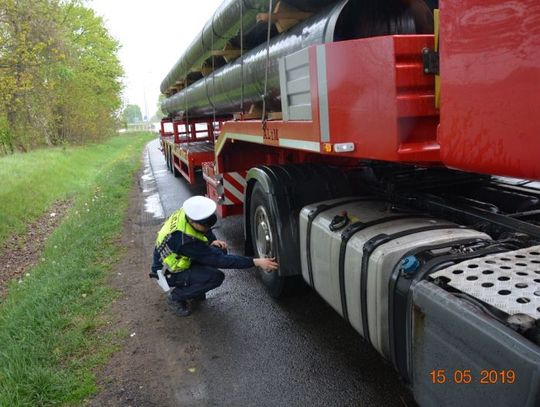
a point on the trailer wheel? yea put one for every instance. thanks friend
(175, 172)
(171, 161)
(167, 159)
(263, 236)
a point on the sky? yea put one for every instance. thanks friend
(153, 35)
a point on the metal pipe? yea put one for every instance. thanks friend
(222, 89)
(226, 94)
(224, 27)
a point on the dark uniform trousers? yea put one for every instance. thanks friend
(195, 281)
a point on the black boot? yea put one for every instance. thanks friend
(180, 308)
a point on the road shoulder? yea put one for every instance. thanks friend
(152, 365)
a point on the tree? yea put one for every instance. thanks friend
(89, 89)
(30, 41)
(132, 114)
(59, 74)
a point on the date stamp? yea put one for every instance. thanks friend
(467, 376)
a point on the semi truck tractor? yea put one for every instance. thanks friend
(387, 153)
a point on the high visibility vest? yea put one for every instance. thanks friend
(177, 222)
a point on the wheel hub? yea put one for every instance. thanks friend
(263, 233)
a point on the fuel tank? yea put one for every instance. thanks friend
(352, 266)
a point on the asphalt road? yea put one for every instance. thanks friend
(250, 349)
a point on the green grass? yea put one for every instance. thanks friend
(49, 323)
(30, 183)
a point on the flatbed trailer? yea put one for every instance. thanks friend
(188, 146)
(392, 170)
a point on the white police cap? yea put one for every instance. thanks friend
(199, 208)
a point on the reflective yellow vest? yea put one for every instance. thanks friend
(177, 221)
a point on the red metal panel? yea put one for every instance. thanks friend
(362, 96)
(380, 99)
(490, 86)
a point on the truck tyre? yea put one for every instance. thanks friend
(263, 236)
(175, 172)
(167, 159)
(171, 160)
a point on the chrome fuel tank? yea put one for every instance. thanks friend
(351, 267)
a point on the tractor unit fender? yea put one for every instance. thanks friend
(288, 189)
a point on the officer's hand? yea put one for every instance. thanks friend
(220, 243)
(267, 265)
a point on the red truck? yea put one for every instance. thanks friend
(385, 152)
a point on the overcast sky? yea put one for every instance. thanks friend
(153, 35)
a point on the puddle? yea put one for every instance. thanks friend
(152, 201)
(152, 204)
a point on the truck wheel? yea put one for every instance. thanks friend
(263, 236)
(175, 172)
(167, 159)
(171, 161)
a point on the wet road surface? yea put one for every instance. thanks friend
(247, 349)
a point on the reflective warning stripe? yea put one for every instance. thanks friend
(240, 178)
(234, 186)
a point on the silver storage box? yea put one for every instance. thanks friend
(359, 291)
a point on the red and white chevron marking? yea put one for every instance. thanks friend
(234, 187)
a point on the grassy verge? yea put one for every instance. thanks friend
(48, 323)
(30, 183)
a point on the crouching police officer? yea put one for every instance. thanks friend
(192, 254)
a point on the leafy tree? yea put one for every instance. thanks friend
(59, 74)
(30, 40)
(89, 91)
(132, 114)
